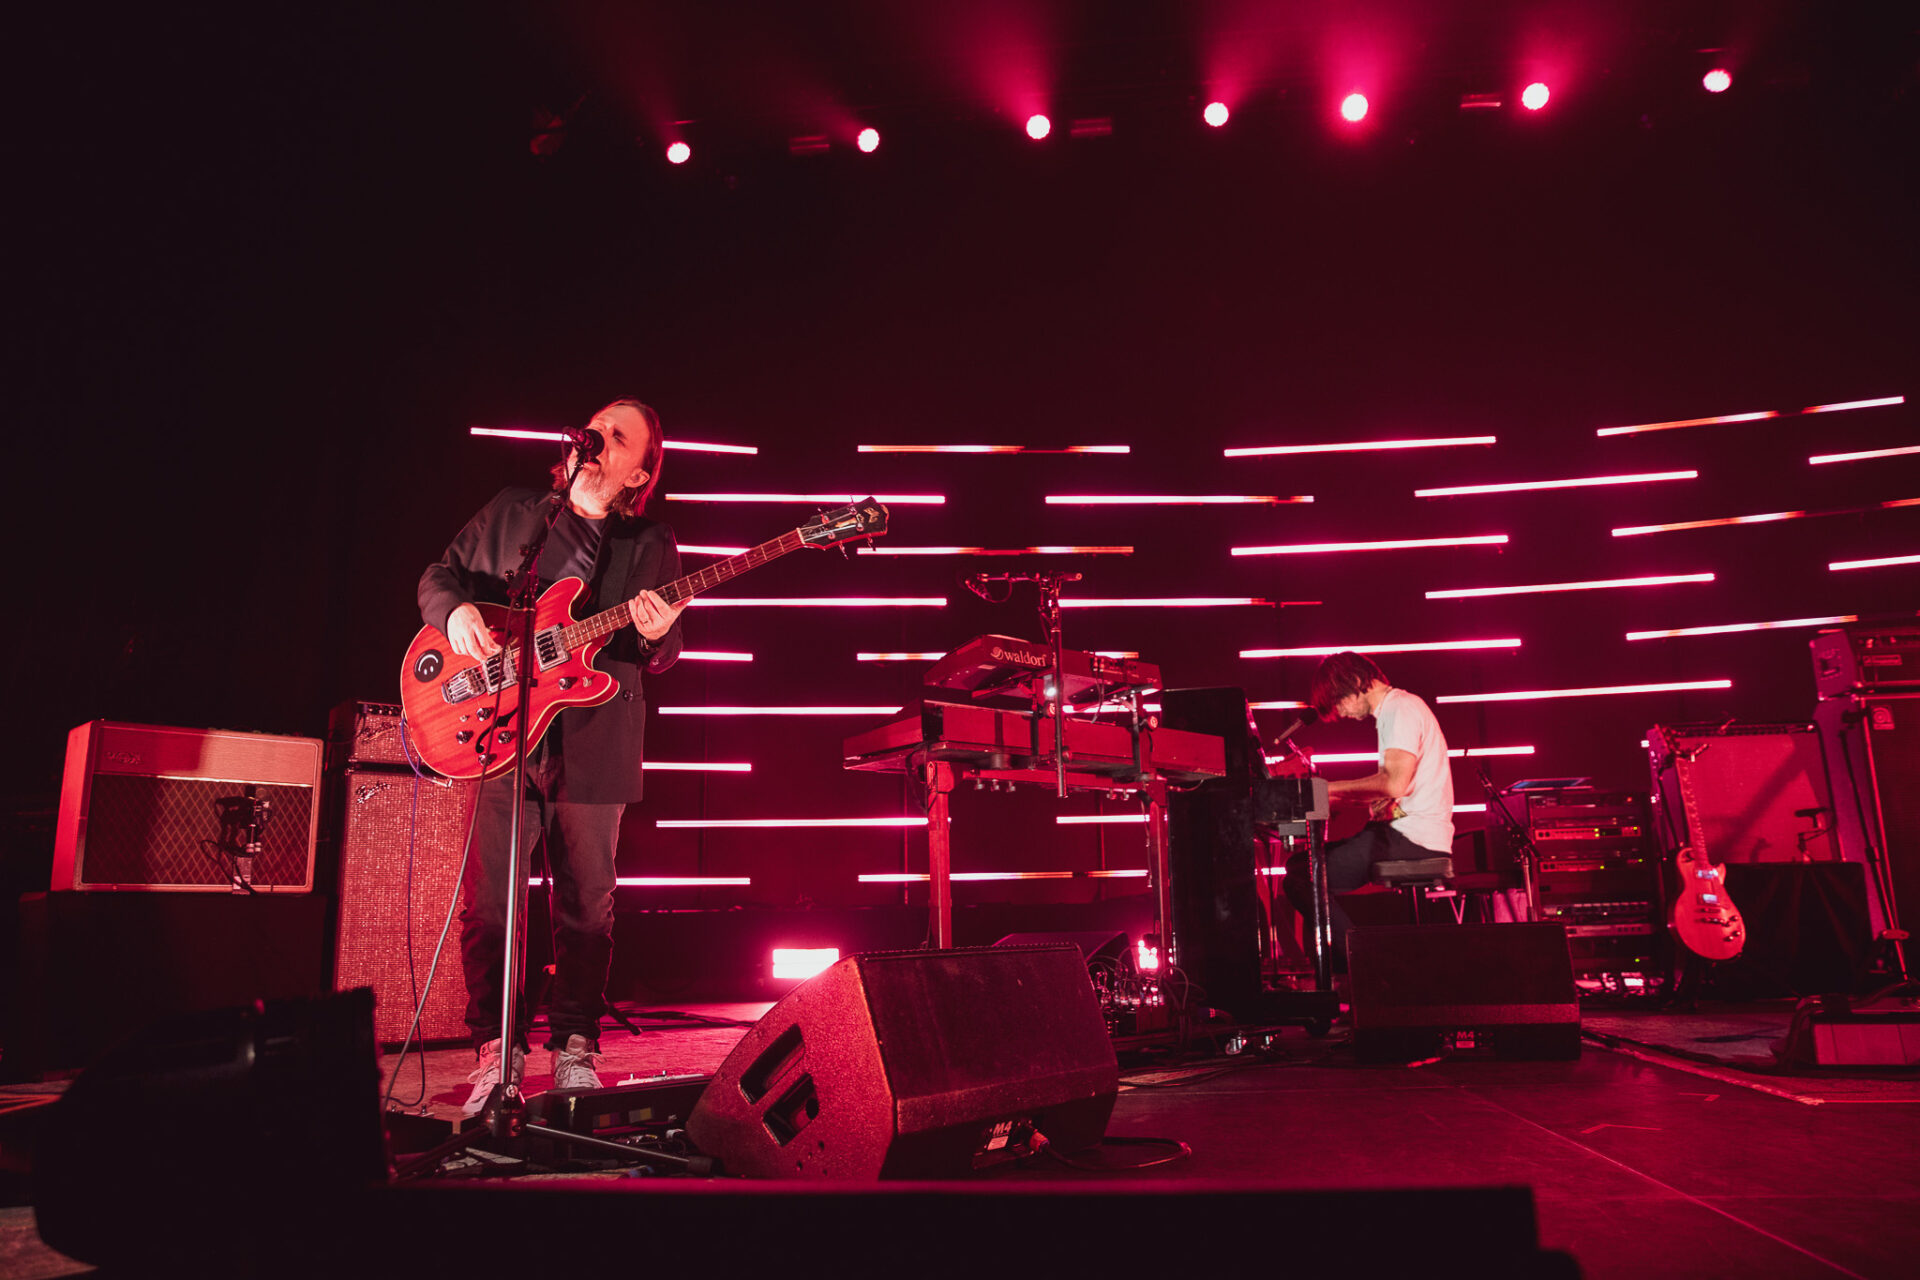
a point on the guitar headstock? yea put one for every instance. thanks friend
(864, 519)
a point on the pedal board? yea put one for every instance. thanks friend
(633, 1106)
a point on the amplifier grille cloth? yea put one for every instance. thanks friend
(166, 831)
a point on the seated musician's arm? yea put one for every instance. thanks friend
(1392, 780)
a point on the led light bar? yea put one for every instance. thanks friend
(669, 882)
(690, 548)
(908, 877)
(1595, 691)
(803, 962)
(1431, 646)
(1854, 404)
(1397, 544)
(714, 655)
(1785, 624)
(1358, 446)
(1173, 602)
(556, 437)
(1904, 450)
(1470, 808)
(1768, 517)
(1099, 819)
(735, 824)
(1686, 422)
(1172, 499)
(1880, 563)
(777, 711)
(992, 551)
(1596, 584)
(823, 499)
(1370, 757)
(697, 766)
(900, 657)
(1578, 482)
(992, 448)
(820, 602)
(1276, 706)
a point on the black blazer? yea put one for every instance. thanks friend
(602, 746)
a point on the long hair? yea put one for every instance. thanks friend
(632, 500)
(1341, 675)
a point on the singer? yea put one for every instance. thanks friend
(1409, 798)
(586, 770)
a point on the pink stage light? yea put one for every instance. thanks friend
(1594, 691)
(821, 602)
(1400, 544)
(1843, 405)
(532, 433)
(1880, 563)
(1904, 450)
(697, 766)
(1579, 482)
(1146, 957)
(1597, 584)
(1370, 757)
(1764, 518)
(1718, 80)
(1359, 446)
(713, 710)
(679, 153)
(1728, 628)
(804, 962)
(740, 824)
(1172, 499)
(909, 877)
(868, 140)
(1038, 126)
(824, 499)
(1470, 808)
(1534, 96)
(934, 656)
(1216, 114)
(992, 551)
(670, 882)
(1431, 646)
(1099, 819)
(714, 655)
(1276, 706)
(993, 448)
(1353, 108)
(689, 548)
(1685, 422)
(1173, 602)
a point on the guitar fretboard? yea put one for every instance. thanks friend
(686, 588)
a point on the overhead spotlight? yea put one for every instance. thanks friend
(1354, 107)
(1215, 114)
(1038, 126)
(868, 140)
(1718, 80)
(1534, 96)
(679, 153)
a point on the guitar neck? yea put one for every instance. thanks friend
(601, 624)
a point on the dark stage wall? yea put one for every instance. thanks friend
(274, 273)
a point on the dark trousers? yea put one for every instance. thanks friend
(1349, 862)
(581, 840)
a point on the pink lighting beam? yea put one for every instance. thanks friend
(1172, 499)
(1430, 646)
(1579, 482)
(1596, 584)
(1728, 628)
(1359, 446)
(1592, 691)
(1880, 563)
(1399, 544)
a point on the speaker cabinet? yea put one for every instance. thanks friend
(1747, 792)
(915, 1064)
(1423, 990)
(1873, 753)
(150, 808)
(400, 846)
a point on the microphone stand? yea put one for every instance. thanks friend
(1523, 840)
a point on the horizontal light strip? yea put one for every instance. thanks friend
(1596, 584)
(1579, 482)
(907, 877)
(1275, 706)
(1369, 757)
(1686, 422)
(1764, 518)
(695, 549)
(837, 499)
(687, 824)
(1398, 544)
(1882, 562)
(714, 655)
(1854, 404)
(1429, 646)
(1118, 653)
(1172, 499)
(820, 602)
(1358, 446)
(1470, 808)
(900, 657)
(1785, 624)
(697, 766)
(992, 448)
(670, 882)
(777, 711)
(1596, 691)
(993, 551)
(1170, 602)
(692, 446)
(1098, 819)
(1819, 458)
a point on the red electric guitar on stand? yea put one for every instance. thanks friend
(463, 717)
(1703, 915)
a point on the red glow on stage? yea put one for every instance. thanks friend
(1578, 482)
(1764, 518)
(992, 448)
(1430, 646)
(1353, 108)
(697, 766)
(679, 153)
(1718, 80)
(803, 962)
(1597, 584)
(713, 710)
(1359, 446)
(821, 602)
(824, 499)
(732, 824)
(868, 140)
(1534, 96)
(1785, 624)
(1592, 691)
(1904, 450)
(1038, 126)
(1880, 563)
(714, 655)
(1172, 499)
(1146, 957)
(992, 551)
(1216, 114)
(1399, 544)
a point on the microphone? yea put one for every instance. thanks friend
(587, 440)
(1307, 717)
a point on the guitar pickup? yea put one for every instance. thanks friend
(549, 649)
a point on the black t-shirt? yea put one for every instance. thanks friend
(571, 549)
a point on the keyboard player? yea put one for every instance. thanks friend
(1409, 797)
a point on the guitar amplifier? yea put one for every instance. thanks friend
(143, 807)
(363, 733)
(1866, 657)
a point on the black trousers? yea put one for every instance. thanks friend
(1349, 862)
(581, 840)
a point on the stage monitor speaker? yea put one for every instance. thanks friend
(149, 808)
(400, 845)
(1420, 991)
(1749, 792)
(915, 1064)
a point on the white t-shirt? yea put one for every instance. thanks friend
(1426, 812)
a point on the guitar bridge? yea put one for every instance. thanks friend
(490, 677)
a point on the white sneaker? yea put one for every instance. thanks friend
(487, 1074)
(573, 1066)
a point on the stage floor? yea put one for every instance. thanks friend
(1638, 1168)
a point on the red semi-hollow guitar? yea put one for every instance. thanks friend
(463, 719)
